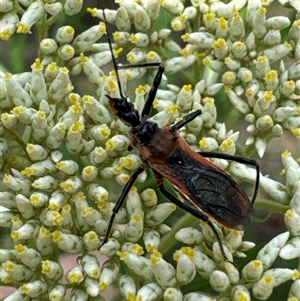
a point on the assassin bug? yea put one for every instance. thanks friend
(209, 190)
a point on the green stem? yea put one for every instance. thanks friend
(271, 206)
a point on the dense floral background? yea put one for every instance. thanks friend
(64, 155)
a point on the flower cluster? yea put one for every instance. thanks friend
(65, 156)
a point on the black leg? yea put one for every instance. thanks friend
(152, 93)
(186, 119)
(192, 211)
(239, 160)
(120, 202)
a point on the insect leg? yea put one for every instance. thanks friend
(186, 119)
(239, 160)
(196, 213)
(120, 202)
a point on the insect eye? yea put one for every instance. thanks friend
(163, 153)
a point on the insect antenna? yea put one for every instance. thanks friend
(112, 52)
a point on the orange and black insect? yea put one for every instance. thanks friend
(210, 191)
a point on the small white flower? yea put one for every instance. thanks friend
(68, 242)
(34, 289)
(52, 270)
(219, 281)
(33, 14)
(109, 272)
(149, 292)
(291, 249)
(30, 257)
(270, 251)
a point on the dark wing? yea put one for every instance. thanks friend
(208, 188)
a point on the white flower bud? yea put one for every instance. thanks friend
(8, 25)
(292, 221)
(72, 7)
(122, 20)
(71, 185)
(90, 266)
(264, 123)
(91, 241)
(99, 114)
(44, 243)
(75, 275)
(127, 287)
(34, 289)
(204, 265)
(117, 143)
(263, 288)
(48, 46)
(134, 229)
(149, 292)
(92, 71)
(17, 272)
(89, 173)
(130, 162)
(291, 250)
(149, 198)
(232, 64)
(189, 236)
(177, 64)
(276, 190)
(240, 293)
(6, 6)
(158, 214)
(24, 206)
(278, 22)
(66, 52)
(196, 297)
(109, 272)
(272, 37)
(237, 28)
(174, 7)
(283, 113)
(65, 34)
(111, 247)
(85, 40)
(239, 50)
(30, 257)
(91, 286)
(69, 167)
(140, 265)
(252, 271)
(68, 242)
(164, 272)
(270, 251)
(60, 86)
(19, 97)
(151, 240)
(9, 120)
(52, 270)
(98, 155)
(259, 23)
(172, 294)
(294, 292)
(56, 135)
(219, 281)
(232, 272)
(36, 152)
(277, 52)
(185, 269)
(238, 102)
(32, 15)
(26, 231)
(54, 9)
